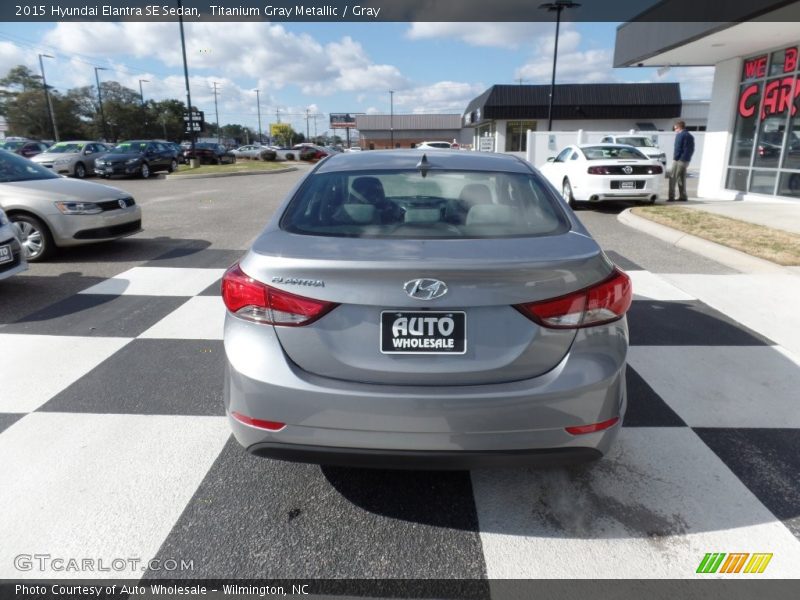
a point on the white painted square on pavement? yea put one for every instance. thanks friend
(653, 287)
(36, 367)
(200, 318)
(723, 386)
(157, 281)
(102, 487)
(651, 509)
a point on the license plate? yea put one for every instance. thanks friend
(5, 254)
(423, 332)
(627, 185)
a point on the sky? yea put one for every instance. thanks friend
(326, 68)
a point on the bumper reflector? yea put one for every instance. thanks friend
(582, 429)
(268, 425)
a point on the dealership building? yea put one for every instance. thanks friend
(752, 141)
(405, 131)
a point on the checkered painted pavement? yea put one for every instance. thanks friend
(113, 444)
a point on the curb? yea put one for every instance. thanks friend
(236, 174)
(729, 257)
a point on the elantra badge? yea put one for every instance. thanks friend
(425, 289)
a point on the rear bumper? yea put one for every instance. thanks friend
(330, 421)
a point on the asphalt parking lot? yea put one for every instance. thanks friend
(113, 440)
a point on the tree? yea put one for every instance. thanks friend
(282, 132)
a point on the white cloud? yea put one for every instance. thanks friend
(500, 35)
(695, 82)
(11, 55)
(440, 97)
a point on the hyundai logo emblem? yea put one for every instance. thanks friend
(627, 169)
(425, 289)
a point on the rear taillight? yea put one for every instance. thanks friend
(654, 170)
(255, 301)
(599, 171)
(602, 303)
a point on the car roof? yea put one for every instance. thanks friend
(604, 144)
(408, 160)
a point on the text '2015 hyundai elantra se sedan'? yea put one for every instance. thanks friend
(436, 310)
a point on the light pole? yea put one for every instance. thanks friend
(555, 7)
(258, 106)
(193, 160)
(141, 92)
(47, 100)
(391, 119)
(100, 101)
(216, 113)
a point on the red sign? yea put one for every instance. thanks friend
(755, 68)
(790, 60)
(780, 95)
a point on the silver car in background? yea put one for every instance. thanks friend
(72, 158)
(12, 258)
(425, 310)
(51, 211)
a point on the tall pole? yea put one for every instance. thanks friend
(391, 118)
(186, 73)
(556, 7)
(47, 100)
(141, 91)
(306, 124)
(216, 113)
(278, 113)
(258, 107)
(100, 101)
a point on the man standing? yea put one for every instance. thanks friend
(684, 148)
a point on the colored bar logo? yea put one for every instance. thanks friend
(735, 562)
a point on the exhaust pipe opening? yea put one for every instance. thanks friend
(654, 197)
(594, 198)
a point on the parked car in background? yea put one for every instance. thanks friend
(72, 158)
(52, 211)
(597, 172)
(136, 157)
(26, 148)
(12, 257)
(434, 146)
(254, 152)
(311, 152)
(176, 147)
(206, 152)
(353, 149)
(642, 143)
(445, 313)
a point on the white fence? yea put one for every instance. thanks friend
(543, 144)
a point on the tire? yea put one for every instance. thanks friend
(144, 171)
(566, 193)
(37, 242)
(290, 157)
(173, 165)
(80, 171)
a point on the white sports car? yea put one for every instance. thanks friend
(596, 172)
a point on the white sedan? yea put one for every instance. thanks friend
(596, 172)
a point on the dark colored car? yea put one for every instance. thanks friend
(312, 152)
(136, 157)
(26, 148)
(207, 152)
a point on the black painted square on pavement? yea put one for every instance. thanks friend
(623, 263)
(687, 323)
(645, 406)
(97, 315)
(215, 289)
(151, 377)
(275, 519)
(8, 419)
(197, 258)
(767, 461)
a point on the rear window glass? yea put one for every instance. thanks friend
(444, 205)
(606, 152)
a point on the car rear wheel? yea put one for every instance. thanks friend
(80, 171)
(566, 193)
(144, 171)
(36, 239)
(173, 165)
(290, 157)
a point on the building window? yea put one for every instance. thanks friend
(766, 136)
(517, 135)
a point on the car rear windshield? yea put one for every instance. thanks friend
(612, 152)
(639, 142)
(443, 204)
(15, 168)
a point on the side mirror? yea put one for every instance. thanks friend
(87, 152)
(551, 159)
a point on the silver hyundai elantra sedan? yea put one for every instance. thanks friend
(428, 310)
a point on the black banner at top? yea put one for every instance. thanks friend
(367, 11)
